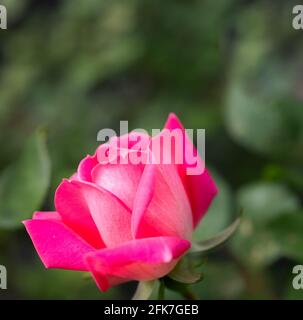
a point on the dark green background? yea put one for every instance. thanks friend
(72, 67)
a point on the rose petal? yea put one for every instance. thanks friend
(201, 189)
(141, 260)
(75, 213)
(161, 207)
(74, 176)
(45, 215)
(111, 216)
(57, 245)
(144, 195)
(85, 168)
(120, 179)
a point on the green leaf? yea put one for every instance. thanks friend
(144, 290)
(185, 272)
(222, 281)
(23, 185)
(174, 285)
(254, 121)
(161, 290)
(214, 242)
(287, 232)
(265, 201)
(254, 245)
(178, 287)
(262, 107)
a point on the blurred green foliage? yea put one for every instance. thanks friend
(233, 67)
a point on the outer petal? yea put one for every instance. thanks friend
(161, 207)
(85, 168)
(74, 176)
(201, 189)
(120, 179)
(75, 213)
(104, 283)
(57, 245)
(45, 215)
(144, 259)
(111, 216)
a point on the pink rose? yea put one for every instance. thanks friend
(123, 222)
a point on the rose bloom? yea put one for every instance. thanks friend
(123, 222)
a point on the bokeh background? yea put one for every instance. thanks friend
(69, 68)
